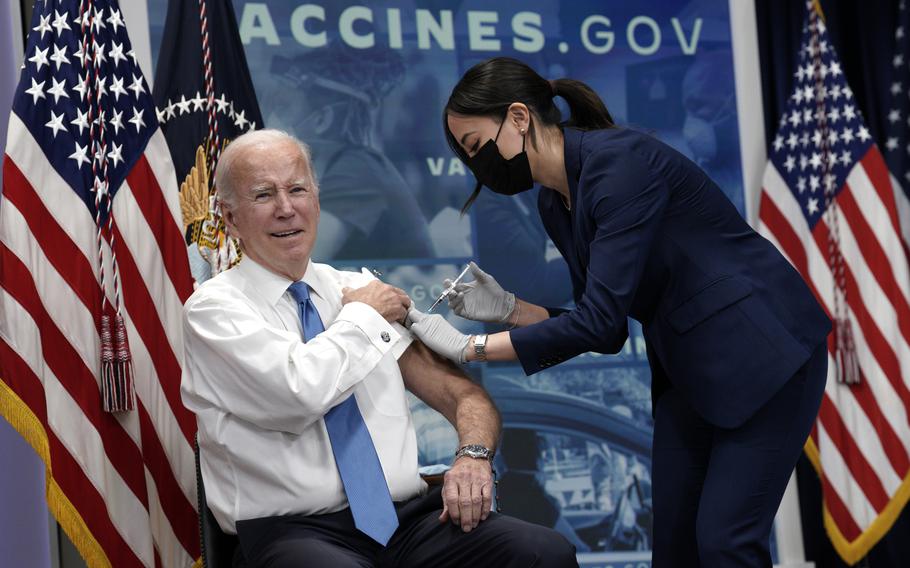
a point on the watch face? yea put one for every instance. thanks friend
(480, 343)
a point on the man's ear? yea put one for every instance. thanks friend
(228, 215)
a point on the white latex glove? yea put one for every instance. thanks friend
(480, 300)
(438, 334)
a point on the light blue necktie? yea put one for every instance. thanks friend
(355, 455)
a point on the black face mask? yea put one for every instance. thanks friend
(507, 177)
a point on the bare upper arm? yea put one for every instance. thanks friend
(434, 379)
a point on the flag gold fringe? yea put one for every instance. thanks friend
(21, 417)
(853, 551)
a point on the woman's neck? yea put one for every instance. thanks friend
(549, 163)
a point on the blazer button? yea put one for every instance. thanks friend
(385, 336)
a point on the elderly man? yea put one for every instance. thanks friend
(297, 374)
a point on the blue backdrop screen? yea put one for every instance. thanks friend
(365, 84)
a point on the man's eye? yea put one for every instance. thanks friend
(261, 196)
(299, 189)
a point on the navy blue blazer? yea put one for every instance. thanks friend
(726, 318)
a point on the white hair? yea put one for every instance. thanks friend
(224, 182)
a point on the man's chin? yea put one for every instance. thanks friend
(288, 263)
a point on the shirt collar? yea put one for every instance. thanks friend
(272, 286)
(315, 278)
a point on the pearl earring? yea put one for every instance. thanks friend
(521, 131)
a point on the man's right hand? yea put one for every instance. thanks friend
(390, 302)
(467, 494)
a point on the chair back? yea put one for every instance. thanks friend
(216, 545)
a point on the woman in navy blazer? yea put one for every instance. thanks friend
(736, 341)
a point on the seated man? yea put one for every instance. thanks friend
(297, 374)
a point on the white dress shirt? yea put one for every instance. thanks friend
(260, 393)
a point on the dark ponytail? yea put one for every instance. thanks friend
(488, 88)
(586, 110)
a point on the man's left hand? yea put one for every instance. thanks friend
(390, 302)
(467, 493)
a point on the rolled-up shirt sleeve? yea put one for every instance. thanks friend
(240, 364)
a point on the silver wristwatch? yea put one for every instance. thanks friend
(475, 451)
(480, 347)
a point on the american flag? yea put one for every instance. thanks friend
(828, 204)
(897, 135)
(84, 140)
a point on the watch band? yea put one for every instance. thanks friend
(475, 451)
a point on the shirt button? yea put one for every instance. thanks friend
(385, 336)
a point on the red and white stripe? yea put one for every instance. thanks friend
(130, 476)
(862, 432)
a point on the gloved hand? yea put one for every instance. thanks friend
(438, 334)
(480, 300)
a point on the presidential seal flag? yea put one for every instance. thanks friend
(93, 276)
(829, 205)
(205, 98)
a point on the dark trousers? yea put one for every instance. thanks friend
(298, 541)
(716, 490)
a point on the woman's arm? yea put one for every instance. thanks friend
(498, 348)
(626, 201)
(444, 339)
(526, 313)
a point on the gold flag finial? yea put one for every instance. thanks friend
(817, 6)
